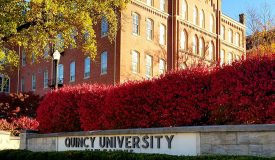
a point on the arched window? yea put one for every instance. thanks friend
(72, 71)
(222, 56)
(237, 40)
(195, 44)
(150, 2)
(162, 34)
(212, 25)
(135, 24)
(104, 62)
(230, 58)
(135, 62)
(104, 27)
(202, 19)
(60, 73)
(183, 40)
(230, 35)
(211, 51)
(162, 5)
(184, 10)
(201, 46)
(222, 32)
(87, 67)
(195, 15)
(149, 28)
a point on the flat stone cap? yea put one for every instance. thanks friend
(167, 130)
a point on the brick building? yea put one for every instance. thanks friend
(154, 36)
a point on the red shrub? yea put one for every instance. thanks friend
(91, 105)
(25, 123)
(17, 105)
(243, 93)
(59, 111)
(18, 124)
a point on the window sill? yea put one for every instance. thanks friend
(136, 35)
(102, 74)
(148, 39)
(104, 35)
(72, 81)
(87, 77)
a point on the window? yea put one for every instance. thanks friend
(237, 40)
(72, 71)
(238, 58)
(149, 63)
(222, 32)
(135, 17)
(195, 44)
(184, 10)
(212, 26)
(183, 40)
(46, 51)
(24, 59)
(222, 57)
(2, 57)
(202, 19)
(150, 2)
(211, 51)
(161, 66)
(46, 78)
(201, 46)
(230, 35)
(104, 27)
(22, 85)
(149, 28)
(4, 84)
(230, 58)
(162, 34)
(86, 36)
(59, 45)
(195, 15)
(135, 62)
(87, 67)
(33, 82)
(104, 63)
(60, 73)
(162, 5)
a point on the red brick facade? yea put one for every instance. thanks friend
(119, 52)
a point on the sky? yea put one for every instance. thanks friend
(233, 8)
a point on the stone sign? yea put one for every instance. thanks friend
(173, 144)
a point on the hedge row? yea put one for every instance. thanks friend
(27, 155)
(243, 93)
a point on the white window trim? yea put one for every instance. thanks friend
(45, 84)
(85, 76)
(101, 63)
(137, 63)
(151, 66)
(34, 82)
(74, 73)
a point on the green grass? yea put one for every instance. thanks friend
(87, 155)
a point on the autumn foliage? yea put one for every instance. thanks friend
(15, 105)
(243, 93)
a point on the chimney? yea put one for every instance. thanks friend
(242, 18)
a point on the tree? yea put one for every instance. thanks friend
(34, 24)
(261, 26)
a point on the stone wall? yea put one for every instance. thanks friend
(257, 140)
(8, 142)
